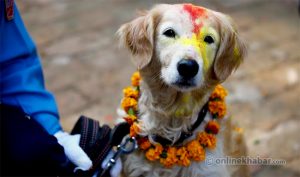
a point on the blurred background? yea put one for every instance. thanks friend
(86, 70)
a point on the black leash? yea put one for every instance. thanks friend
(97, 141)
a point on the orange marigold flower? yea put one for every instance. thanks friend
(183, 157)
(130, 119)
(218, 108)
(207, 140)
(145, 145)
(130, 92)
(171, 158)
(195, 150)
(135, 79)
(134, 129)
(128, 103)
(219, 92)
(212, 127)
(150, 154)
(154, 153)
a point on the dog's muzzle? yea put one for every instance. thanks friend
(187, 69)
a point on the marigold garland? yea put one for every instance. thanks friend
(130, 119)
(183, 156)
(219, 93)
(145, 144)
(212, 127)
(129, 102)
(134, 129)
(217, 108)
(153, 153)
(135, 79)
(169, 156)
(131, 92)
(195, 150)
(207, 140)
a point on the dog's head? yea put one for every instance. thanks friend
(194, 46)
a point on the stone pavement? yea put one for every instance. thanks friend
(86, 71)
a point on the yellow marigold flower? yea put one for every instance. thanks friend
(134, 129)
(129, 103)
(145, 144)
(183, 157)
(154, 153)
(218, 108)
(207, 140)
(130, 92)
(135, 79)
(219, 92)
(195, 150)
(171, 158)
(212, 127)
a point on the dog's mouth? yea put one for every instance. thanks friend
(184, 84)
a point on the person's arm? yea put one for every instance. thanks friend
(22, 84)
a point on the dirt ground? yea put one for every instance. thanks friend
(86, 71)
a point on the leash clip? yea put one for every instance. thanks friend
(129, 145)
(126, 147)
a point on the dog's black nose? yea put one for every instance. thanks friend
(187, 68)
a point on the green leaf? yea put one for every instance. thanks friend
(215, 116)
(164, 154)
(217, 99)
(131, 111)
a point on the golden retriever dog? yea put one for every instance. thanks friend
(182, 53)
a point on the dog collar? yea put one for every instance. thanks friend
(163, 150)
(184, 135)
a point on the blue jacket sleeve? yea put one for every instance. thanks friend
(21, 77)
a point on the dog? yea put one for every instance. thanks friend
(182, 53)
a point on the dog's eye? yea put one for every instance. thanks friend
(209, 39)
(170, 33)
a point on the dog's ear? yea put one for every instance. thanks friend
(138, 37)
(231, 50)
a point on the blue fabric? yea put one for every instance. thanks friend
(21, 76)
(27, 149)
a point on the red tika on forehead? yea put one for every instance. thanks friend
(195, 12)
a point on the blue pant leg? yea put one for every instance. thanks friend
(27, 149)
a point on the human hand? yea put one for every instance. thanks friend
(73, 151)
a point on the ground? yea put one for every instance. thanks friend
(86, 70)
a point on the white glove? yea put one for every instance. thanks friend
(73, 151)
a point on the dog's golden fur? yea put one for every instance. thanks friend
(159, 101)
